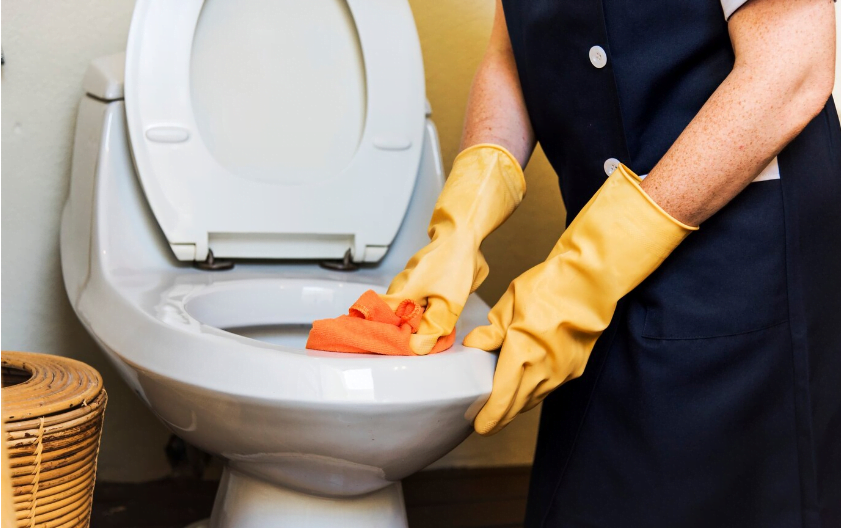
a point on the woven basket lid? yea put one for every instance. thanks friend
(56, 384)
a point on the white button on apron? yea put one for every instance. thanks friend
(610, 165)
(598, 56)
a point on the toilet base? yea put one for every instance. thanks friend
(246, 502)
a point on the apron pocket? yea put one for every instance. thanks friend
(729, 278)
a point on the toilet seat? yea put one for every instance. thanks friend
(202, 205)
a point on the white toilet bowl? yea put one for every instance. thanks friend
(317, 422)
(306, 434)
(308, 438)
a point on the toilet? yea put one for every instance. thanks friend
(243, 169)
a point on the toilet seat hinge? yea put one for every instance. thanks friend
(346, 264)
(214, 264)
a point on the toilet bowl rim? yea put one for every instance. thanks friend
(204, 356)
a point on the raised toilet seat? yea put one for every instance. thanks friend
(203, 149)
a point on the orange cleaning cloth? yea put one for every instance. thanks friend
(372, 327)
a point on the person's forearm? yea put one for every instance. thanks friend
(496, 112)
(782, 78)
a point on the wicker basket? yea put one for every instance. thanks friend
(52, 412)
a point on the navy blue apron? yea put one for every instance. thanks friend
(714, 397)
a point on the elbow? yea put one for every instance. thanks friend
(810, 94)
(817, 89)
(787, 52)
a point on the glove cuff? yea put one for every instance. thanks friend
(515, 171)
(635, 180)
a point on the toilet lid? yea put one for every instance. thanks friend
(276, 128)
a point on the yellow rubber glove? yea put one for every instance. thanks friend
(548, 320)
(485, 185)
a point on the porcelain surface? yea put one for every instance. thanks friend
(219, 357)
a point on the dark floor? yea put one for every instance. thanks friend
(474, 498)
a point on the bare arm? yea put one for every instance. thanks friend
(783, 76)
(496, 111)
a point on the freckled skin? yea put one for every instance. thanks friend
(783, 76)
(496, 111)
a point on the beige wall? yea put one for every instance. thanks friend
(48, 44)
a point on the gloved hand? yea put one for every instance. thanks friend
(485, 185)
(548, 320)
